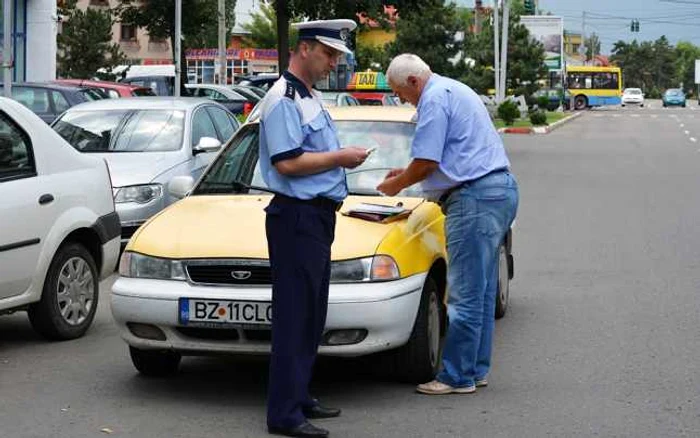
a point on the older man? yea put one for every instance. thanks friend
(462, 164)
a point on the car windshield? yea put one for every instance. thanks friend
(122, 130)
(633, 91)
(674, 93)
(239, 162)
(93, 94)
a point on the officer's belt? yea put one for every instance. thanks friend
(319, 201)
(448, 192)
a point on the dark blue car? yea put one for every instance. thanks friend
(48, 101)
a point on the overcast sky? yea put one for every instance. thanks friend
(610, 19)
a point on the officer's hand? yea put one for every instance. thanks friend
(351, 157)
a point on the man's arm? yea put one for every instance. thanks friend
(309, 163)
(417, 171)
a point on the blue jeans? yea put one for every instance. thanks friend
(478, 216)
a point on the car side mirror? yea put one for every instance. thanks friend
(180, 186)
(207, 144)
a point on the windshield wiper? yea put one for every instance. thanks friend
(237, 186)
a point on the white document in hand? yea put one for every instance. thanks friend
(386, 210)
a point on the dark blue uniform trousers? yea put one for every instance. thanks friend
(299, 238)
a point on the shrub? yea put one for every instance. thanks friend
(538, 118)
(508, 111)
(543, 102)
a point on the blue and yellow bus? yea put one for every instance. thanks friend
(594, 86)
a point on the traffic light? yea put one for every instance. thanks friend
(634, 26)
(529, 7)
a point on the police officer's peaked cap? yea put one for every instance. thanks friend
(333, 33)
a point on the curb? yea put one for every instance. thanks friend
(541, 129)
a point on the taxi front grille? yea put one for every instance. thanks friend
(258, 273)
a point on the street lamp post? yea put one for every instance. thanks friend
(7, 58)
(178, 47)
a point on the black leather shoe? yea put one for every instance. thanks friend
(319, 411)
(305, 429)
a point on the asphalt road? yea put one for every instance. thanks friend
(601, 338)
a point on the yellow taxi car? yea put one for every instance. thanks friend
(195, 279)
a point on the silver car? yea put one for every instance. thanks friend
(147, 141)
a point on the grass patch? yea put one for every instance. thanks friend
(552, 116)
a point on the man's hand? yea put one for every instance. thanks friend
(351, 157)
(390, 186)
(394, 172)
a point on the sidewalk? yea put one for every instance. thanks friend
(540, 129)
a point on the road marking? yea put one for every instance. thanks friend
(653, 116)
(682, 125)
(635, 115)
(687, 132)
(693, 139)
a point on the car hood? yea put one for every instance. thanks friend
(234, 227)
(131, 168)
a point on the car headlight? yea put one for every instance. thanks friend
(140, 194)
(377, 268)
(142, 266)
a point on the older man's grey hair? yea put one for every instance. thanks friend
(405, 65)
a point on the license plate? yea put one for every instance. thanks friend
(196, 311)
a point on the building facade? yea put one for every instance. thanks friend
(34, 30)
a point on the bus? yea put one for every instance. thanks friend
(593, 86)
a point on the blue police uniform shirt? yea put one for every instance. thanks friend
(293, 121)
(455, 129)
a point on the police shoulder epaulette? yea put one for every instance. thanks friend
(290, 91)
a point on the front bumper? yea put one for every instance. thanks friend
(386, 310)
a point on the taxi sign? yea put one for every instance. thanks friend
(368, 80)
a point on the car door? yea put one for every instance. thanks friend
(25, 214)
(36, 99)
(202, 126)
(226, 125)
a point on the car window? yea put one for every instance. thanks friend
(90, 94)
(202, 126)
(122, 130)
(113, 94)
(212, 94)
(223, 123)
(59, 102)
(36, 99)
(16, 158)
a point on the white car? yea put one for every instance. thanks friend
(632, 96)
(59, 231)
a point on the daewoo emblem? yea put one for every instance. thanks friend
(241, 275)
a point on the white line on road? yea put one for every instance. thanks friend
(635, 115)
(693, 139)
(682, 125)
(687, 132)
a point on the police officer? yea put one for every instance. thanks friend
(460, 160)
(302, 162)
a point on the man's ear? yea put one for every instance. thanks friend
(412, 81)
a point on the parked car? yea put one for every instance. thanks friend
(673, 97)
(59, 232)
(632, 96)
(258, 91)
(388, 280)
(250, 93)
(338, 98)
(160, 85)
(48, 100)
(374, 99)
(262, 80)
(111, 89)
(235, 102)
(147, 141)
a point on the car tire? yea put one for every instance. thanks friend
(503, 288)
(419, 359)
(155, 363)
(623, 105)
(66, 311)
(683, 106)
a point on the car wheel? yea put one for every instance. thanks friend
(418, 360)
(623, 105)
(503, 291)
(683, 106)
(155, 363)
(580, 103)
(69, 297)
(641, 105)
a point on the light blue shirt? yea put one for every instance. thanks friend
(455, 129)
(293, 121)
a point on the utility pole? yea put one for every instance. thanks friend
(222, 42)
(504, 49)
(477, 16)
(496, 51)
(178, 47)
(7, 58)
(583, 38)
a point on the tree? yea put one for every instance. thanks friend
(525, 60)
(647, 65)
(372, 57)
(85, 43)
(592, 44)
(435, 42)
(263, 28)
(199, 22)
(685, 55)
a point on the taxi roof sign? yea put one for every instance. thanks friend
(369, 80)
